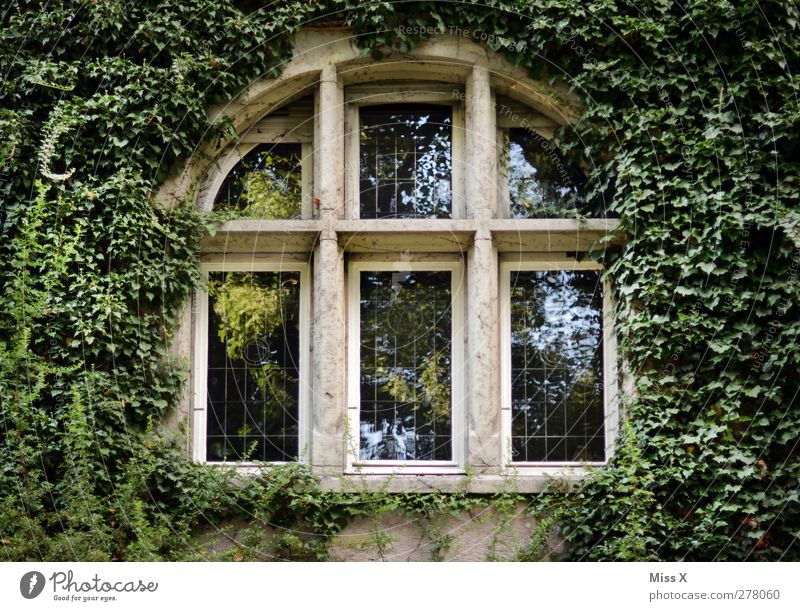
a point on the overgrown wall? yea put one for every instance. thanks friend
(689, 135)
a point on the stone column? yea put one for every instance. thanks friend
(481, 153)
(330, 145)
(483, 355)
(328, 331)
(328, 356)
(483, 365)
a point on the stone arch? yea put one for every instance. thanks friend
(319, 53)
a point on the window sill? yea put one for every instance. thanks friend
(253, 236)
(513, 481)
(420, 235)
(522, 480)
(551, 235)
(402, 470)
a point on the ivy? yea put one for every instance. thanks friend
(689, 134)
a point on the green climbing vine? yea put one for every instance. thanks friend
(689, 134)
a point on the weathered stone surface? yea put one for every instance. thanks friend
(328, 355)
(483, 364)
(181, 344)
(474, 536)
(330, 145)
(481, 148)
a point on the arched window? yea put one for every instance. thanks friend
(402, 285)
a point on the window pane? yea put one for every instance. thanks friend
(266, 184)
(405, 366)
(405, 161)
(540, 183)
(557, 366)
(253, 362)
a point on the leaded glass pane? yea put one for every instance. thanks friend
(540, 183)
(405, 365)
(265, 184)
(253, 361)
(405, 161)
(557, 367)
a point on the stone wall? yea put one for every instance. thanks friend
(475, 535)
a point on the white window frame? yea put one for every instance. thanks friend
(357, 97)
(457, 381)
(200, 403)
(547, 262)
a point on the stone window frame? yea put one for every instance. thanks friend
(269, 130)
(547, 262)
(200, 356)
(328, 63)
(454, 264)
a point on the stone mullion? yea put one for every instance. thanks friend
(328, 329)
(482, 363)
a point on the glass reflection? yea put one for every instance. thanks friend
(557, 366)
(253, 360)
(540, 183)
(405, 161)
(405, 365)
(265, 184)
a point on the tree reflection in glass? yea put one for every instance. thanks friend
(540, 183)
(265, 184)
(405, 161)
(557, 366)
(405, 365)
(253, 360)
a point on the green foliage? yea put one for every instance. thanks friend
(689, 134)
(432, 386)
(265, 200)
(248, 307)
(268, 184)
